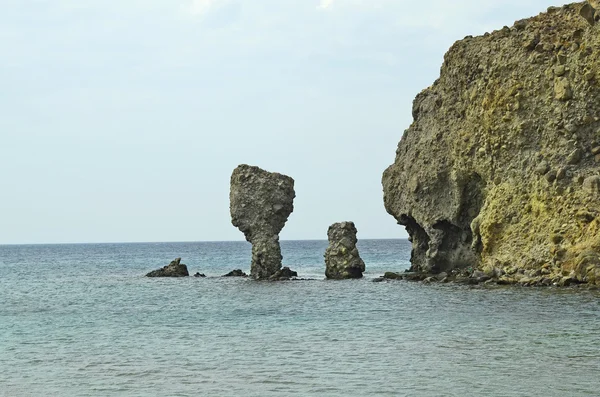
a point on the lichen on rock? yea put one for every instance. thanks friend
(502, 154)
(342, 260)
(260, 204)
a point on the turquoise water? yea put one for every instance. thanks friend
(81, 320)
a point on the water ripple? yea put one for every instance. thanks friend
(81, 321)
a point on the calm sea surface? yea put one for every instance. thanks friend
(81, 320)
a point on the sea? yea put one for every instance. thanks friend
(82, 320)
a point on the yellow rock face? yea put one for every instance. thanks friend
(500, 168)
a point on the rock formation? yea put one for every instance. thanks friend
(341, 256)
(500, 169)
(260, 204)
(173, 269)
(283, 274)
(236, 273)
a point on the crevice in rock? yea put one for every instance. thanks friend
(472, 199)
(452, 235)
(420, 242)
(449, 244)
(450, 247)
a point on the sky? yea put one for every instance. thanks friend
(122, 120)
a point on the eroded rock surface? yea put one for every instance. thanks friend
(500, 167)
(342, 260)
(260, 204)
(173, 269)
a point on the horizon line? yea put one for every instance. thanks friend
(178, 242)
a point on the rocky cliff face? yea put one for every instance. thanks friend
(500, 168)
(260, 204)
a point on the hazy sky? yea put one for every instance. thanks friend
(123, 119)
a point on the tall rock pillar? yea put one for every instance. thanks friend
(260, 204)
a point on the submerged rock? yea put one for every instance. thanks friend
(173, 269)
(342, 260)
(200, 275)
(236, 273)
(500, 157)
(393, 276)
(260, 204)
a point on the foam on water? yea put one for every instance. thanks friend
(81, 320)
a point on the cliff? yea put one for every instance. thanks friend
(500, 169)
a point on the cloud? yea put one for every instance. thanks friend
(325, 4)
(200, 7)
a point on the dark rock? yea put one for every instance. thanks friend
(591, 184)
(588, 13)
(342, 260)
(236, 273)
(173, 269)
(414, 276)
(567, 281)
(393, 276)
(199, 275)
(465, 280)
(378, 279)
(480, 276)
(574, 157)
(551, 176)
(260, 204)
(521, 24)
(283, 274)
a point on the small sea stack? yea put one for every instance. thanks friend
(283, 274)
(173, 269)
(235, 273)
(260, 204)
(342, 260)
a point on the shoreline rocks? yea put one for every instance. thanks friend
(342, 260)
(260, 204)
(173, 269)
(499, 277)
(500, 167)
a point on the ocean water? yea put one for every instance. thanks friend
(81, 320)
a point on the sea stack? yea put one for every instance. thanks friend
(260, 204)
(499, 169)
(342, 260)
(173, 269)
